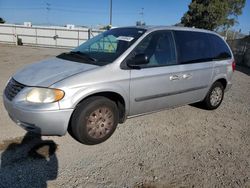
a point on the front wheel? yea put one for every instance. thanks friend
(94, 120)
(214, 96)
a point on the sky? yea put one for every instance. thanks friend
(94, 13)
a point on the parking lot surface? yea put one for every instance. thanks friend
(181, 147)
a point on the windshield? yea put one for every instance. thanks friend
(104, 48)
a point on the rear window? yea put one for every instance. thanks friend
(195, 47)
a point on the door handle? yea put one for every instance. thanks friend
(186, 76)
(174, 77)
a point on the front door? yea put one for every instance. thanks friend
(163, 83)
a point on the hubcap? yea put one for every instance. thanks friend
(100, 122)
(216, 96)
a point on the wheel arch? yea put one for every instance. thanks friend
(114, 96)
(223, 81)
(220, 79)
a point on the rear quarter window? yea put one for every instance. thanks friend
(220, 49)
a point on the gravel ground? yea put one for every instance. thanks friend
(181, 147)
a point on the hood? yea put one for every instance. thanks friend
(47, 72)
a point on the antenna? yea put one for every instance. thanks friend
(141, 22)
(142, 15)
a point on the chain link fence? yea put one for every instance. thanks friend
(241, 50)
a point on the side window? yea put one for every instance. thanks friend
(220, 49)
(193, 47)
(159, 47)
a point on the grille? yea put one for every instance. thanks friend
(12, 89)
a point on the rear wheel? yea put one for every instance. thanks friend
(214, 96)
(94, 120)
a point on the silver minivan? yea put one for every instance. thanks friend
(119, 74)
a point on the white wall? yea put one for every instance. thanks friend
(45, 36)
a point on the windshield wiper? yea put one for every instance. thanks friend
(82, 55)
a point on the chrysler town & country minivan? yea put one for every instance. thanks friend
(119, 74)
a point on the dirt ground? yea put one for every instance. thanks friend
(181, 147)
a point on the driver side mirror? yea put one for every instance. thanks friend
(137, 60)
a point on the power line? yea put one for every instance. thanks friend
(20, 8)
(79, 11)
(51, 8)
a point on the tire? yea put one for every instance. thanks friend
(94, 120)
(214, 96)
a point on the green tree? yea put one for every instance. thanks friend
(213, 14)
(2, 20)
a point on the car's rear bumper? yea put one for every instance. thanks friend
(44, 122)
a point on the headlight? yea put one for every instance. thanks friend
(44, 95)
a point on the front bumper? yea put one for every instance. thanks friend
(44, 122)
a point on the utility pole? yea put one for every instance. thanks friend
(110, 13)
(48, 10)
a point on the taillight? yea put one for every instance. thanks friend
(233, 65)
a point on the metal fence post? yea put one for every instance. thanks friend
(56, 36)
(36, 35)
(78, 37)
(15, 34)
(89, 33)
